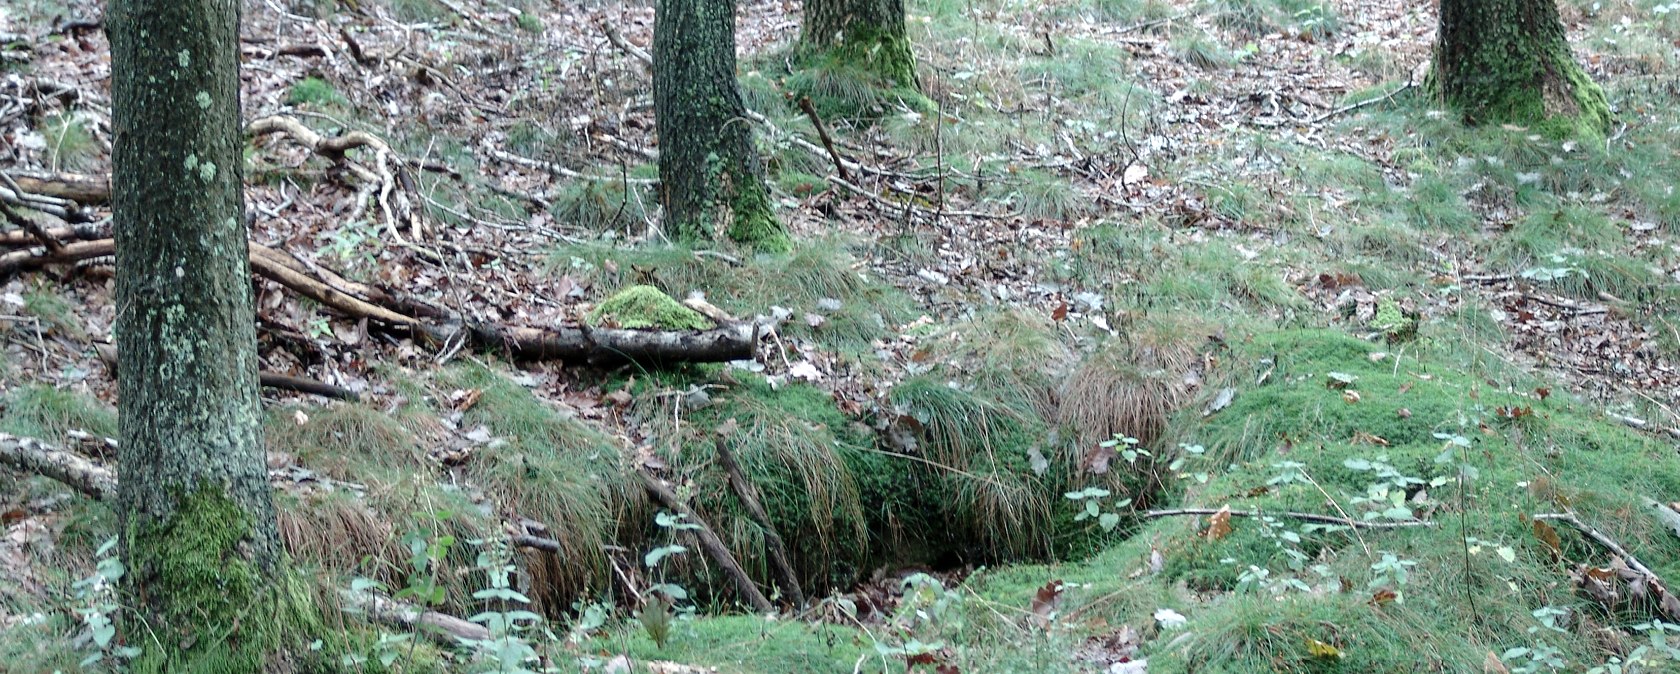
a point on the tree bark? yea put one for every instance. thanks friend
(709, 172)
(870, 34)
(1509, 62)
(200, 541)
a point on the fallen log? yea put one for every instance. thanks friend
(87, 190)
(82, 232)
(596, 346)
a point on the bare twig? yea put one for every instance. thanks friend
(822, 133)
(619, 41)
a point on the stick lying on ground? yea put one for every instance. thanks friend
(709, 542)
(410, 317)
(108, 354)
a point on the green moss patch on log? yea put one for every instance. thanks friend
(646, 307)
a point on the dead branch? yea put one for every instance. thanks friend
(443, 629)
(822, 133)
(108, 354)
(709, 542)
(619, 41)
(1305, 517)
(74, 470)
(87, 190)
(556, 169)
(386, 172)
(605, 346)
(785, 575)
(82, 232)
(38, 256)
(1641, 581)
(35, 230)
(1603, 540)
(600, 346)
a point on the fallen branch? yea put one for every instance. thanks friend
(1603, 540)
(82, 232)
(1370, 101)
(606, 346)
(619, 41)
(386, 173)
(72, 469)
(443, 629)
(1641, 581)
(1305, 517)
(599, 346)
(87, 190)
(785, 575)
(108, 354)
(34, 229)
(822, 133)
(709, 542)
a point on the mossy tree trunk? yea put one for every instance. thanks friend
(199, 535)
(867, 33)
(709, 171)
(1508, 62)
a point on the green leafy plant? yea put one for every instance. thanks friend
(96, 597)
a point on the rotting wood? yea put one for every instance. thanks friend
(785, 576)
(87, 190)
(709, 542)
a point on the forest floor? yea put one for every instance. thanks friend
(1088, 365)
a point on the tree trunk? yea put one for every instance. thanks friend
(199, 535)
(866, 33)
(1508, 62)
(709, 171)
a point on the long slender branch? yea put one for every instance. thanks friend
(1601, 539)
(1305, 517)
(709, 542)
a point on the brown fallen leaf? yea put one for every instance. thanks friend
(1383, 596)
(1219, 525)
(1096, 459)
(1492, 665)
(1549, 536)
(1046, 600)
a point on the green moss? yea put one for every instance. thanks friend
(754, 222)
(314, 91)
(749, 645)
(1393, 322)
(643, 307)
(196, 583)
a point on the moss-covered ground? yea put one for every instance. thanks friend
(1187, 289)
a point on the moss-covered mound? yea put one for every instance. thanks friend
(643, 306)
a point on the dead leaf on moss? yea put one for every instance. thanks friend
(1219, 525)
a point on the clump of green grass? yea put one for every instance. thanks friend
(609, 204)
(49, 413)
(982, 448)
(314, 92)
(1042, 196)
(421, 11)
(1201, 51)
(547, 466)
(348, 441)
(70, 144)
(55, 312)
